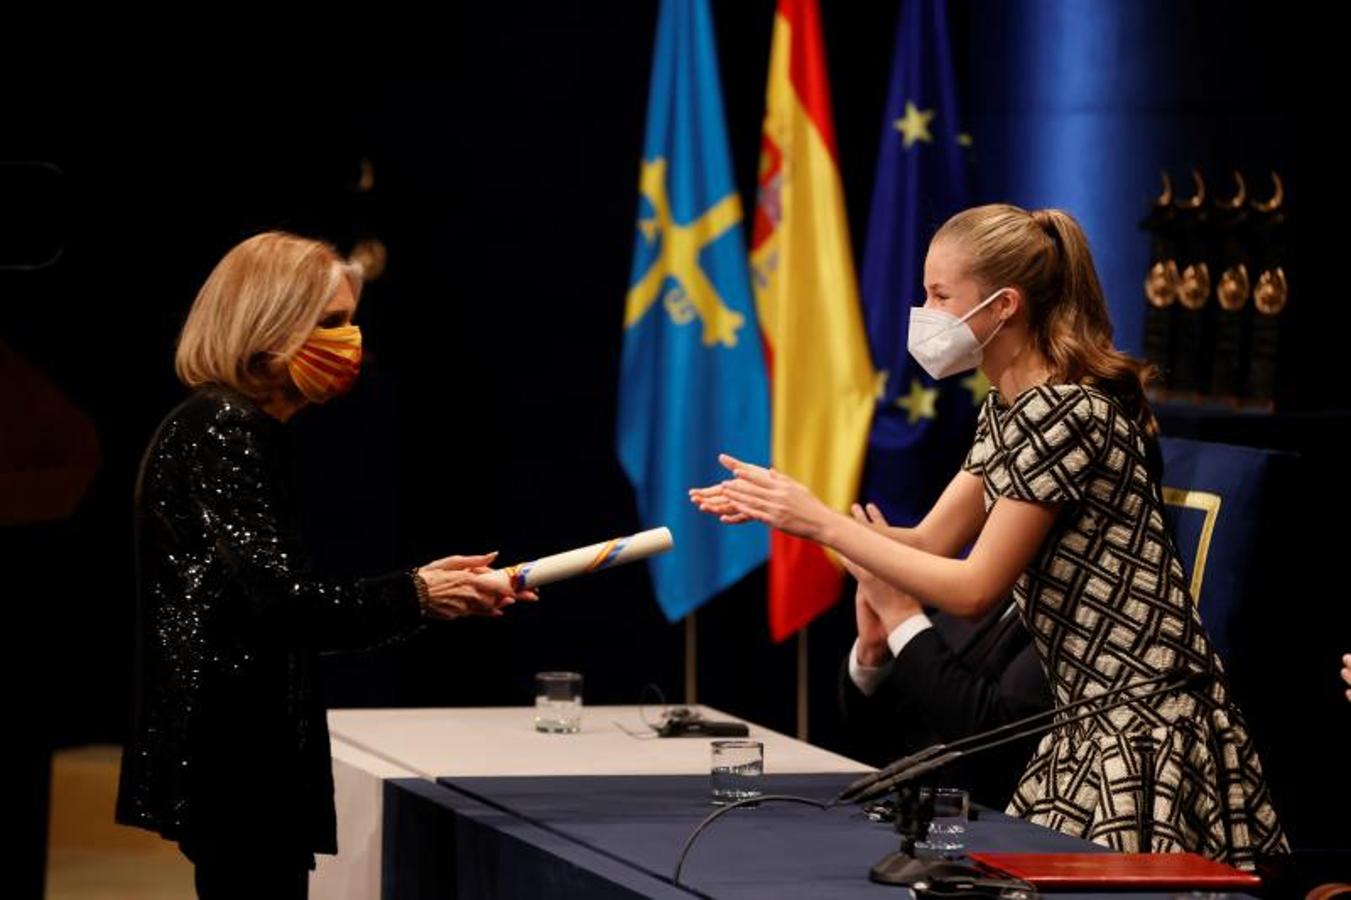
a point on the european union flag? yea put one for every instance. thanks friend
(921, 428)
(692, 381)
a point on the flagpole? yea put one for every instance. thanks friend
(691, 660)
(802, 683)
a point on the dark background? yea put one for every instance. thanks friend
(505, 142)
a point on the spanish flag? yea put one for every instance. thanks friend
(822, 382)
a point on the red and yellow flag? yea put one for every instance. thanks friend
(807, 298)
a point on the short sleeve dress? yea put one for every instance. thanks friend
(1107, 604)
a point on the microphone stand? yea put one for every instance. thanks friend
(914, 797)
(858, 787)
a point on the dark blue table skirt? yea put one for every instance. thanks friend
(620, 836)
(439, 843)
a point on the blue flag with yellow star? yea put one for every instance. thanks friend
(692, 379)
(921, 428)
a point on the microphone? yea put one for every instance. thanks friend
(928, 752)
(903, 868)
(685, 722)
(911, 767)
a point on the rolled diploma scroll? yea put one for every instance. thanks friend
(604, 555)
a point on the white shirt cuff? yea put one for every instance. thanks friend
(905, 632)
(865, 678)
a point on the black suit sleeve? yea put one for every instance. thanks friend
(874, 723)
(960, 700)
(932, 694)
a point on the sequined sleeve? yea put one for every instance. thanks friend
(236, 488)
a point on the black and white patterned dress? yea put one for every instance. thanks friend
(1107, 604)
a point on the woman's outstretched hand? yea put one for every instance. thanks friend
(754, 493)
(468, 586)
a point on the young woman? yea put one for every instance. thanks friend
(1059, 501)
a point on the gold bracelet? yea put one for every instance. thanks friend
(424, 597)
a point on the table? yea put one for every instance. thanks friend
(474, 803)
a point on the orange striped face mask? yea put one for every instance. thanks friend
(327, 364)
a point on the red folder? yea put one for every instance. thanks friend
(1144, 870)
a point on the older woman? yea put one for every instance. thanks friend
(229, 753)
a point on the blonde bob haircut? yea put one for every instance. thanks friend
(257, 307)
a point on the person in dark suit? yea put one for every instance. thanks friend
(913, 679)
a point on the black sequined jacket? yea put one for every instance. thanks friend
(229, 742)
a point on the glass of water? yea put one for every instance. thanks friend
(737, 767)
(558, 702)
(947, 831)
